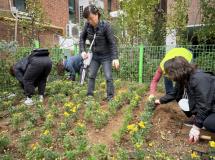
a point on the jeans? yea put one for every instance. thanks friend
(168, 85)
(209, 123)
(107, 68)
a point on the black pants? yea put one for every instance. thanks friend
(36, 73)
(107, 68)
(209, 122)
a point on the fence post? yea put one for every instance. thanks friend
(141, 64)
(76, 49)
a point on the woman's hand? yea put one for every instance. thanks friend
(157, 102)
(194, 134)
(84, 55)
(115, 64)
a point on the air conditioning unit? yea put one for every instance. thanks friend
(72, 30)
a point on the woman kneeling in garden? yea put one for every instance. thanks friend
(200, 89)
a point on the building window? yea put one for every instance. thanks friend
(109, 5)
(72, 10)
(19, 4)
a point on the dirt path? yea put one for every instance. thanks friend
(104, 136)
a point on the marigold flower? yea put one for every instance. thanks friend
(194, 155)
(212, 144)
(46, 132)
(142, 124)
(66, 114)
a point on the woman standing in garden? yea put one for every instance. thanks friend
(200, 90)
(32, 71)
(103, 48)
(183, 52)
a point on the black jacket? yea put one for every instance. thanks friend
(201, 95)
(21, 66)
(104, 43)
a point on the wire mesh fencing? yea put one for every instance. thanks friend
(137, 63)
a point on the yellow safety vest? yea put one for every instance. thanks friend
(176, 52)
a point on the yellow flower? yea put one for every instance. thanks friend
(74, 109)
(66, 114)
(34, 145)
(194, 155)
(132, 128)
(49, 116)
(138, 145)
(46, 132)
(80, 124)
(212, 144)
(68, 104)
(150, 144)
(142, 124)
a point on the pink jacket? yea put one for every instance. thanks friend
(155, 80)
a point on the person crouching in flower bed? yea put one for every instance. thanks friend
(200, 90)
(72, 64)
(32, 71)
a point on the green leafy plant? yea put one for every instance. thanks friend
(4, 141)
(46, 138)
(24, 141)
(99, 151)
(16, 119)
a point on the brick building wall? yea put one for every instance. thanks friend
(194, 15)
(194, 12)
(56, 11)
(114, 5)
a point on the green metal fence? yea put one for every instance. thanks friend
(137, 63)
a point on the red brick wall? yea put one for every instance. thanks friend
(114, 5)
(194, 13)
(4, 4)
(57, 11)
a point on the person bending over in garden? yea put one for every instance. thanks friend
(73, 65)
(104, 49)
(200, 90)
(160, 70)
(32, 71)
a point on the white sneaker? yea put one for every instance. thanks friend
(29, 102)
(41, 98)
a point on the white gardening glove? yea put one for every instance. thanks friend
(84, 55)
(157, 102)
(194, 134)
(151, 96)
(115, 63)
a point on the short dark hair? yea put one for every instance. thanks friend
(11, 71)
(60, 68)
(91, 9)
(179, 69)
